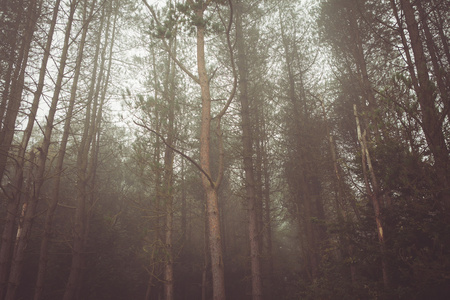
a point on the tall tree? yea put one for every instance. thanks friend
(303, 177)
(169, 95)
(248, 165)
(84, 165)
(43, 258)
(14, 201)
(32, 199)
(432, 120)
(210, 184)
(26, 17)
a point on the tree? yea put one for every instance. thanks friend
(86, 164)
(248, 165)
(14, 201)
(25, 16)
(432, 120)
(210, 184)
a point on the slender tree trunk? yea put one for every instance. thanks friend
(212, 207)
(43, 258)
(11, 56)
(210, 186)
(18, 178)
(18, 83)
(247, 142)
(440, 73)
(341, 207)
(362, 72)
(169, 87)
(374, 193)
(431, 119)
(80, 222)
(154, 264)
(305, 189)
(205, 257)
(17, 262)
(94, 138)
(267, 218)
(9, 106)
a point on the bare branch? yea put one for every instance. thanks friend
(233, 67)
(177, 151)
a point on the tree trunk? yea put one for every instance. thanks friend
(247, 142)
(11, 56)
(268, 224)
(205, 258)
(374, 193)
(431, 119)
(305, 189)
(169, 91)
(80, 222)
(17, 85)
(341, 207)
(17, 263)
(212, 208)
(362, 72)
(9, 106)
(439, 71)
(48, 224)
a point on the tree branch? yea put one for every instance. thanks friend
(177, 151)
(233, 67)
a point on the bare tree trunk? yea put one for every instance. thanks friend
(18, 178)
(18, 84)
(374, 193)
(361, 65)
(22, 239)
(247, 142)
(43, 258)
(210, 185)
(267, 212)
(306, 190)
(80, 223)
(10, 108)
(431, 118)
(169, 88)
(341, 207)
(205, 258)
(10, 58)
(440, 74)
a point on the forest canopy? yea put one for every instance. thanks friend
(224, 149)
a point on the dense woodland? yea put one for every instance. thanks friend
(224, 149)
